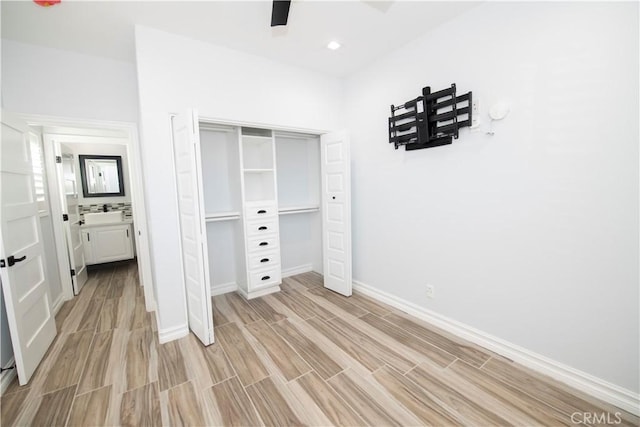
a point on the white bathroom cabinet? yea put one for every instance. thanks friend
(107, 243)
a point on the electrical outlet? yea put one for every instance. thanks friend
(431, 292)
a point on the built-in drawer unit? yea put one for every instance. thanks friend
(264, 260)
(262, 243)
(262, 227)
(264, 278)
(253, 212)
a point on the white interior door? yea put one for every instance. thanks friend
(336, 211)
(193, 233)
(22, 266)
(69, 192)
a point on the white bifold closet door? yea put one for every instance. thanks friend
(193, 233)
(336, 211)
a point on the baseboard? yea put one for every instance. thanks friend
(57, 305)
(297, 270)
(7, 376)
(601, 389)
(225, 288)
(170, 334)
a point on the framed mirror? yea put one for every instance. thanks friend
(101, 175)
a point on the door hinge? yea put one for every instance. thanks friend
(58, 159)
(73, 272)
(65, 217)
(2, 263)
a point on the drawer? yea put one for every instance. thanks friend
(264, 278)
(263, 243)
(262, 227)
(264, 260)
(261, 211)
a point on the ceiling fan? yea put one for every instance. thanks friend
(280, 12)
(280, 9)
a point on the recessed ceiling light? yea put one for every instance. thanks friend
(333, 45)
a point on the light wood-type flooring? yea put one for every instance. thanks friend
(304, 356)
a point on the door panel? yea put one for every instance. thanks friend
(193, 234)
(69, 191)
(336, 212)
(24, 282)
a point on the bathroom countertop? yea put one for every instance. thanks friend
(106, 224)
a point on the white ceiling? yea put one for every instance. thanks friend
(366, 29)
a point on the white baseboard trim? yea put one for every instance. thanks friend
(225, 288)
(57, 305)
(297, 270)
(601, 389)
(7, 376)
(170, 334)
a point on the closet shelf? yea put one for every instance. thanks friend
(221, 216)
(298, 209)
(253, 170)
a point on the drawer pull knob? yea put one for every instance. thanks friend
(264, 243)
(266, 277)
(264, 260)
(262, 211)
(264, 227)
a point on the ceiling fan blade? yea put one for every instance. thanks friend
(280, 12)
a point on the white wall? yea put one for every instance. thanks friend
(530, 235)
(40, 80)
(176, 73)
(102, 150)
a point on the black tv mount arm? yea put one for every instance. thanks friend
(430, 120)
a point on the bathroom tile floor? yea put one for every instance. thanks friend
(303, 356)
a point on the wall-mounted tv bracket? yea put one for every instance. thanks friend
(430, 120)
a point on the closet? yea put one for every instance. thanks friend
(257, 205)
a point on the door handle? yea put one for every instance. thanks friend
(262, 228)
(262, 211)
(264, 260)
(266, 278)
(264, 243)
(13, 260)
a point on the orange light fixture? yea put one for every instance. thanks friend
(46, 3)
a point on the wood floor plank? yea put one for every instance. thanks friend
(383, 352)
(11, 406)
(90, 409)
(368, 304)
(513, 396)
(330, 402)
(95, 371)
(241, 308)
(309, 280)
(544, 389)
(64, 312)
(265, 310)
(415, 398)
(54, 407)
(138, 356)
(241, 355)
(70, 361)
(171, 369)
(91, 315)
(184, 406)
(116, 284)
(284, 357)
(231, 404)
(271, 405)
(373, 405)
(338, 300)
(219, 318)
(347, 344)
(108, 315)
(438, 388)
(140, 316)
(303, 306)
(102, 277)
(141, 407)
(323, 364)
(431, 352)
(462, 350)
